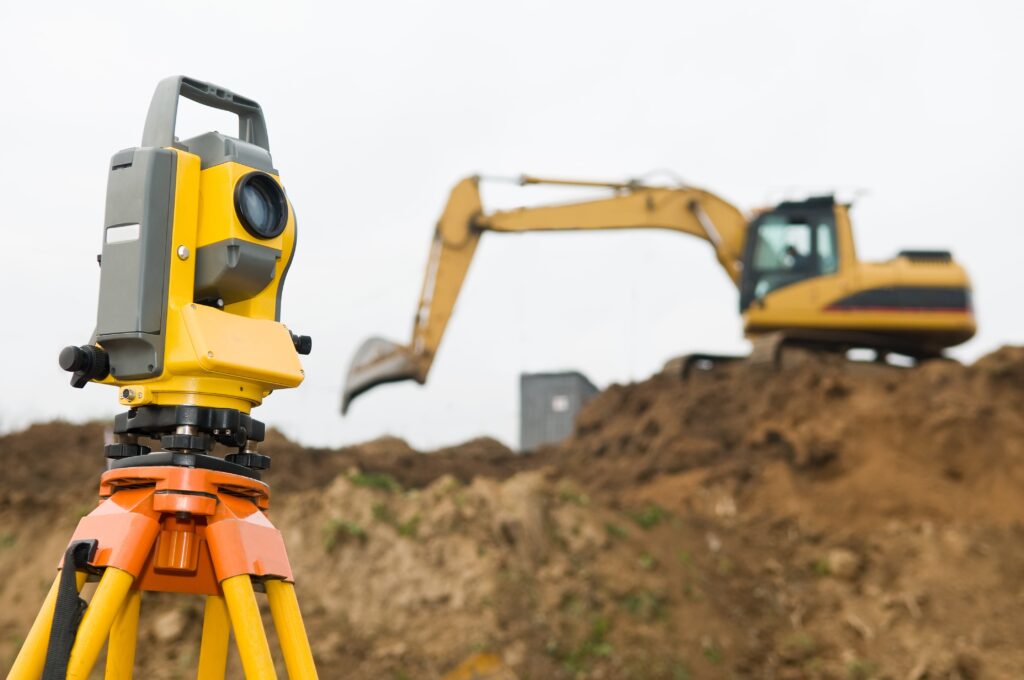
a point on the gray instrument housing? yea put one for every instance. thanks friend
(134, 278)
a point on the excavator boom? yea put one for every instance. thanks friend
(632, 206)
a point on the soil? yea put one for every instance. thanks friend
(823, 520)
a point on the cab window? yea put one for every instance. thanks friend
(788, 249)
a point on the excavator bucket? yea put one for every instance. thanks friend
(376, 362)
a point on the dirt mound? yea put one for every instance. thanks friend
(816, 440)
(826, 520)
(296, 468)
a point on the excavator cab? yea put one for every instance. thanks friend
(793, 242)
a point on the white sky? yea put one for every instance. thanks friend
(376, 109)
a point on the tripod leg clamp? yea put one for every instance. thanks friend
(68, 611)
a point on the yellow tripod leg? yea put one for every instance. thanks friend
(291, 632)
(213, 652)
(123, 634)
(99, 616)
(32, 657)
(248, 626)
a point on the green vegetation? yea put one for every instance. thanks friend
(573, 605)
(336, 531)
(861, 669)
(799, 646)
(383, 514)
(376, 480)
(712, 652)
(594, 646)
(646, 605)
(681, 672)
(570, 495)
(650, 516)
(616, 530)
(409, 528)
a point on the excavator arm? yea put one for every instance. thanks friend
(632, 206)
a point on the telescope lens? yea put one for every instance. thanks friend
(261, 205)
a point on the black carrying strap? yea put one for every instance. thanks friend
(68, 611)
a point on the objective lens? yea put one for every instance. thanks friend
(261, 205)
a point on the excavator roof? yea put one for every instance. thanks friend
(825, 201)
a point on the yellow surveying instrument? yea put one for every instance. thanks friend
(198, 238)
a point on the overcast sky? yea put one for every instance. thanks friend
(376, 109)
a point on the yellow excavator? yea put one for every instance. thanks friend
(795, 265)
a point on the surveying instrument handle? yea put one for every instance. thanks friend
(198, 238)
(163, 111)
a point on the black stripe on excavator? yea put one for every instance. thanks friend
(926, 255)
(906, 298)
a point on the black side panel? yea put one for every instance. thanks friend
(927, 255)
(907, 297)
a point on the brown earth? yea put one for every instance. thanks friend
(827, 520)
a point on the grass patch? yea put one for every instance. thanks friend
(376, 480)
(861, 669)
(338, 531)
(713, 653)
(650, 516)
(592, 647)
(574, 496)
(645, 605)
(383, 514)
(409, 528)
(616, 530)
(7, 539)
(799, 646)
(681, 672)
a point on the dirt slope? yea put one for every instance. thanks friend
(828, 520)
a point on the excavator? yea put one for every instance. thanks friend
(795, 265)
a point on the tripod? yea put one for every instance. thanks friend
(179, 520)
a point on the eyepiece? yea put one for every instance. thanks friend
(261, 205)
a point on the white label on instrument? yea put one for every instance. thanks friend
(123, 233)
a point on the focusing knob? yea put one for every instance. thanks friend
(303, 343)
(87, 362)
